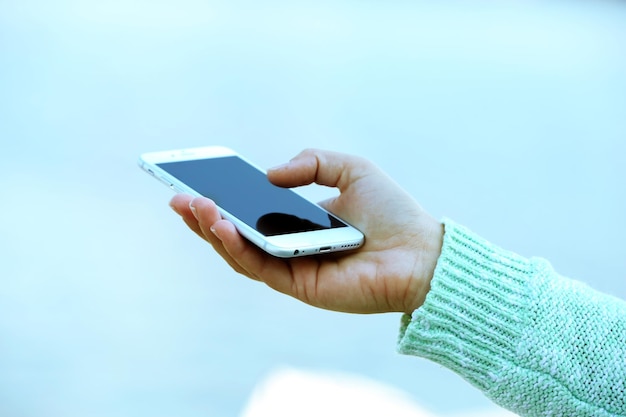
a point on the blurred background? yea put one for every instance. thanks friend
(509, 117)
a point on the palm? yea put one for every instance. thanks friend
(357, 283)
(376, 277)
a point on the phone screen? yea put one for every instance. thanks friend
(246, 193)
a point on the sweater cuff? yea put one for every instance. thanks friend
(473, 314)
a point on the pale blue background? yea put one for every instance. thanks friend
(509, 117)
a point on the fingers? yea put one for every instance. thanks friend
(225, 231)
(244, 257)
(180, 204)
(202, 216)
(248, 259)
(327, 168)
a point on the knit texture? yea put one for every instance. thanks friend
(534, 342)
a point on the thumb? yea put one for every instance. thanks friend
(332, 169)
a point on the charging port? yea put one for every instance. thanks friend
(325, 249)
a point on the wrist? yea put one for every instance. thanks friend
(427, 254)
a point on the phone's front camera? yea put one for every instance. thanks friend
(295, 252)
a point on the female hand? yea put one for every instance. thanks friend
(390, 273)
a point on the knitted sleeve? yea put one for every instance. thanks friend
(534, 342)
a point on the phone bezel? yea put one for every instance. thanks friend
(283, 246)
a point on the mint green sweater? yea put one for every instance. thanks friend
(534, 342)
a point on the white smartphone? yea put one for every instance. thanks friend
(278, 220)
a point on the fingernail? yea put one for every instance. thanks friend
(277, 167)
(214, 232)
(193, 210)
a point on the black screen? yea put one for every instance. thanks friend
(247, 194)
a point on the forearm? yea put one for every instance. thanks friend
(534, 342)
